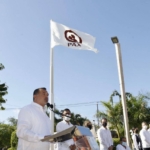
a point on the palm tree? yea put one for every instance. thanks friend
(114, 112)
(3, 91)
(137, 108)
(116, 93)
(113, 115)
(77, 119)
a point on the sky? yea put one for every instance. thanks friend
(80, 76)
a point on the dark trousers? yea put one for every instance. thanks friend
(146, 148)
(139, 149)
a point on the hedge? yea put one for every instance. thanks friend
(14, 141)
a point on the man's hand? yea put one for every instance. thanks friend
(72, 147)
(46, 136)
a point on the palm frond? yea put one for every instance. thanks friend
(1, 66)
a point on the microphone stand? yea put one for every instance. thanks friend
(51, 108)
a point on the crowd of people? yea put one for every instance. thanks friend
(141, 139)
(34, 125)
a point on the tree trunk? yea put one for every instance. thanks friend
(118, 131)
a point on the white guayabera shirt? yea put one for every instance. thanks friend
(145, 137)
(105, 138)
(136, 145)
(33, 125)
(63, 125)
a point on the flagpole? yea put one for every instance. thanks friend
(122, 86)
(51, 94)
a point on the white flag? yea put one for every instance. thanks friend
(62, 35)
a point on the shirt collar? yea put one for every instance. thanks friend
(144, 129)
(66, 122)
(104, 127)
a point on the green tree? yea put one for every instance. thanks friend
(12, 121)
(137, 108)
(3, 91)
(5, 135)
(113, 115)
(77, 119)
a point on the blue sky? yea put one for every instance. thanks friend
(79, 76)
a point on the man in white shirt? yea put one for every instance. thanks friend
(87, 124)
(33, 123)
(136, 140)
(65, 124)
(104, 136)
(91, 127)
(123, 144)
(149, 128)
(145, 137)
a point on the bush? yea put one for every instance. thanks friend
(5, 134)
(14, 141)
(11, 148)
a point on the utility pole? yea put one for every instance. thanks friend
(97, 116)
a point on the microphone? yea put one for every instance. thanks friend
(51, 108)
(50, 105)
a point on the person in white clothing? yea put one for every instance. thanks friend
(87, 124)
(91, 127)
(104, 136)
(33, 123)
(145, 137)
(137, 143)
(149, 128)
(65, 124)
(123, 144)
(132, 131)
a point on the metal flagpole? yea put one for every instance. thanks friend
(51, 94)
(122, 86)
